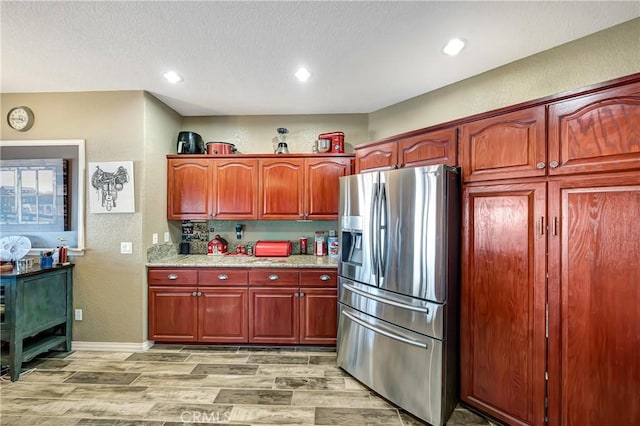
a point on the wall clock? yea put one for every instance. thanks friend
(20, 118)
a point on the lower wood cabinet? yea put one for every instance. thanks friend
(213, 305)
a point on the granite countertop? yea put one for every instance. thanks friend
(234, 261)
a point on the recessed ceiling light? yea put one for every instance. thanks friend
(172, 77)
(454, 47)
(302, 74)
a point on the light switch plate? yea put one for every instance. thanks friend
(154, 238)
(167, 238)
(126, 247)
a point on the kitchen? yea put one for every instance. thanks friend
(103, 275)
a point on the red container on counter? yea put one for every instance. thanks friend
(272, 248)
(337, 141)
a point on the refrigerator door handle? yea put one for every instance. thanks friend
(373, 229)
(385, 300)
(383, 217)
(383, 332)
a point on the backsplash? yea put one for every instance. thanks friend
(198, 233)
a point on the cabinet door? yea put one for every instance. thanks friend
(439, 147)
(318, 316)
(189, 189)
(594, 301)
(507, 146)
(274, 315)
(503, 301)
(596, 133)
(222, 315)
(173, 314)
(322, 186)
(235, 189)
(281, 189)
(382, 156)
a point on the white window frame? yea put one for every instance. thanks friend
(79, 199)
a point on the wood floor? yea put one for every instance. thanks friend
(172, 384)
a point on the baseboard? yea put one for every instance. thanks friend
(111, 346)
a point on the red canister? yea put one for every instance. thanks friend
(303, 245)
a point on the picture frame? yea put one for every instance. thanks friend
(111, 187)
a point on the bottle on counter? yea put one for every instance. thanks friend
(333, 245)
(319, 245)
(303, 245)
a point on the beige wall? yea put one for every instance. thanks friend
(606, 55)
(133, 125)
(256, 134)
(108, 286)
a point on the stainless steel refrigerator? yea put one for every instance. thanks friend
(399, 286)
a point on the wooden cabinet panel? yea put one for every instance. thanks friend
(281, 188)
(235, 189)
(379, 156)
(274, 315)
(503, 301)
(173, 314)
(222, 315)
(273, 277)
(594, 300)
(189, 189)
(172, 276)
(599, 132)
(507, 146)
(318, 316)
(322, 186)
(223, 277)
(439, 147)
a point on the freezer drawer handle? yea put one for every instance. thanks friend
(384, 333)
(385, 300)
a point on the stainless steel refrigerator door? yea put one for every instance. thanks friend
(356, 228)
(414, 240)
(417, 315)
(404, 367)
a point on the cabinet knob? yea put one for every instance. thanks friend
(172, 276)
(195, 293)
(325, 277)
(199, 294)
(553, 164)
(274, 277)
(301, 294)
(540, 165)
(223, 277)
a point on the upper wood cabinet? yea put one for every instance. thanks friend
(510, 145)
(206, 188)
(301, 188)
(189, 188)
(597, 132)
(235, 193)
(423, 149)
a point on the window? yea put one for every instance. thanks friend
(42, 192)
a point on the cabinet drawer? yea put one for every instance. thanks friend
(223, 277)
(172, 276)
(319, 278)
(273, 277)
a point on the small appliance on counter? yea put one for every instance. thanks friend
(272, 249)
(282, 144)
(217, 246)
(337, 141)
(190, 143)
(220, 148)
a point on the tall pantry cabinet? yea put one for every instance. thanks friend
(550, 303)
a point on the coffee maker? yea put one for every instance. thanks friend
(190, 143)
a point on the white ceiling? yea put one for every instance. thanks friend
(238, 57)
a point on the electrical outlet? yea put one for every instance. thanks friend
(78, 314)
(126, 247)
(167, 237)
(154, 238)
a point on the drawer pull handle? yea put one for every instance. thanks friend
(325, 277)
(274, 277)
(223, 277)
(172, 276)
